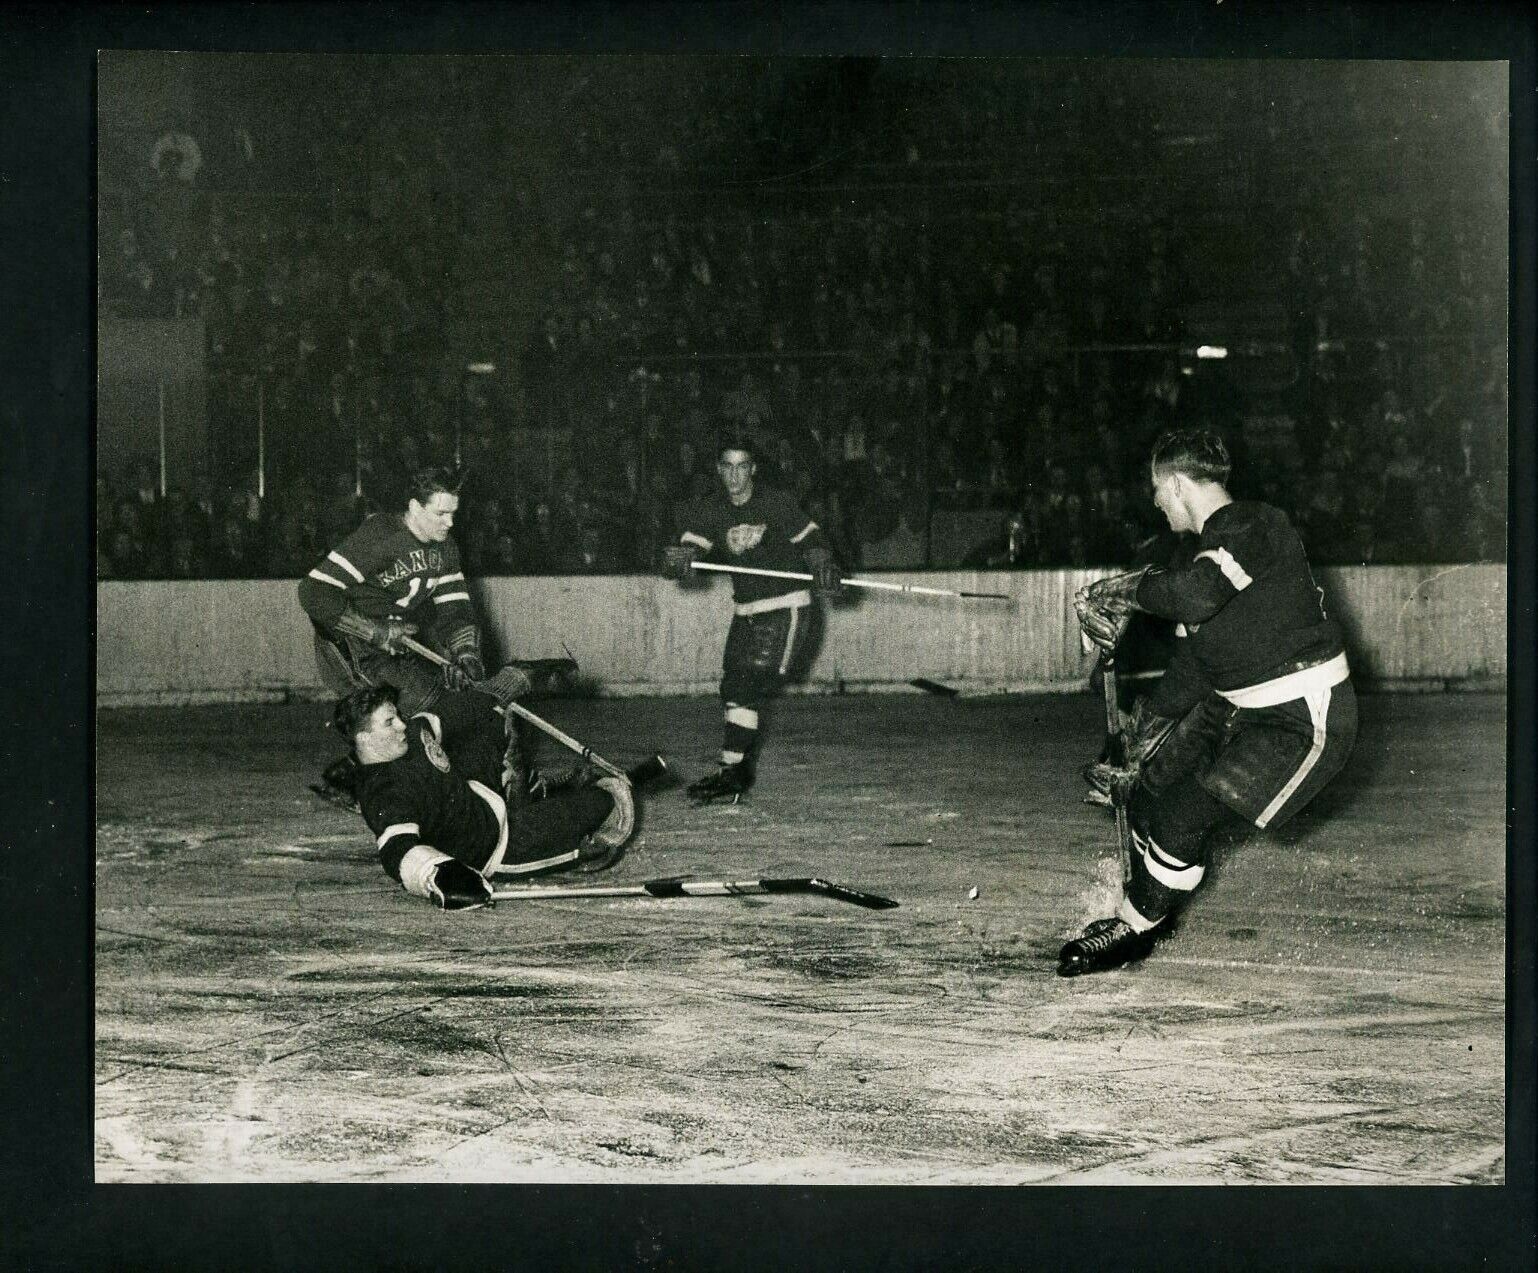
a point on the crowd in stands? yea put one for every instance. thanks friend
(892, 357)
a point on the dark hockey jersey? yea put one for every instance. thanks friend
(768, 532)
(383, 569)
(1252, 613)
(421, 799)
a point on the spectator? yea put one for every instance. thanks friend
(234, 556)
(176, 156)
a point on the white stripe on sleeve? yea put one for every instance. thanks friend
(1232, 570)
(345, 565)
(398, 828)
(325, 578)
(441, 598)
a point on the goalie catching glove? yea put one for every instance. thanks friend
(383, 634)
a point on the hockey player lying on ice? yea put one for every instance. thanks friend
(443, 795)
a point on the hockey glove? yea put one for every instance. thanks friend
(547, 674)
(455, 887)
(385, 634)
(464, 671)
(1116, 592)
(1146, 732)
(826, 577)
(1142, 736)
(1103, 625)
(677, 560)
(508, 684)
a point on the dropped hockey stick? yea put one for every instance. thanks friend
(880, 584)
(680, 886)
(1117, 740)
(518, 709)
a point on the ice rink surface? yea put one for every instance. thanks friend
(271, 1007)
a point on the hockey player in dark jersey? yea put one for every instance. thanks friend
(750, 524)
(447, 811)
(1260, 687)
(395, 576)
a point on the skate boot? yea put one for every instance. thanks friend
(339, 784)
(729, 783)
(1103, 945)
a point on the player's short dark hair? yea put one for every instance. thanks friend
(1198, 453)
(424, 483)
(736, 442)
(350, 716)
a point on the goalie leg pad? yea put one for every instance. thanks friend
(619, 826)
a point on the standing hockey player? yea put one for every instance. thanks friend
(435, 790)
(395, 576)
(1262, 673)
(749, 524)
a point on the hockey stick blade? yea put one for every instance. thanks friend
(683, 886)
(825, 888)
(934, 687)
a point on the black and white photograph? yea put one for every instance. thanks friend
(686, 619)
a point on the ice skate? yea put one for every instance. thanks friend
(1103, 945)
(729, 783)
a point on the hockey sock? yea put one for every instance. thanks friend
(1168, 861)
(739, 733)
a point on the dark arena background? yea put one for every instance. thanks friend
(952, 303)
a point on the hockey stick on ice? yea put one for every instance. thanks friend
(518, 709)
(880, 584)
(680, 886)
(1117, 741)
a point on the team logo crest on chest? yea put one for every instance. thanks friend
(741, 538)
(435, 752)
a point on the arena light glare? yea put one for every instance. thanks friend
(1212, 351)
(482, 368)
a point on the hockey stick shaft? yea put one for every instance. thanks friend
(679, 887)
(878, 584)
(1118, 741)
(518, 709)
